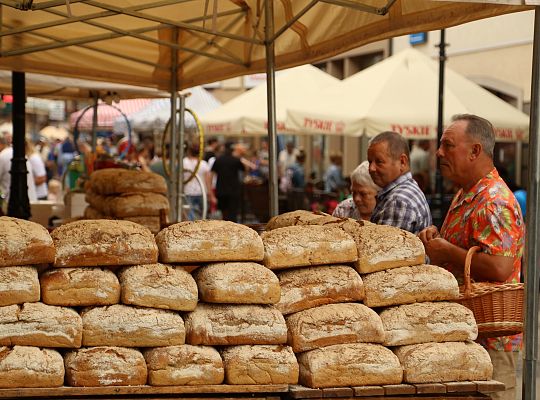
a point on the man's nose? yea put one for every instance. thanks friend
(439, 153)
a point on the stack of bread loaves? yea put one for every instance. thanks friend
(30, 330)
(236, 313)
(131, 195)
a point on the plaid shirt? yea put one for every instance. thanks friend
(347, 209)
(402, 204)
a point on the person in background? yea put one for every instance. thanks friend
(483, 213)
(38, 170)
(193, 189)
(400, 202)
(420, 164)
(55, 191)
(333, 178)
(287, 157)
(264, 159)
(211, 149)
(296, 171)
(360, 206)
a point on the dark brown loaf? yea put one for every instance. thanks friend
(428, 322)
(105, 366)
(25, 367)
(308, 287)
(184, 365)
(353, 364)
(297, 246)
(115, 180)
(153, 223)
(158, 286)
(103, 242)
(208, 241)
(138, 204)
(333, 324)
(126, 326)
(24, 243)
(19, 285)
(218, 324)
(41, 325)
(80, 287)
(409, 285)
(260, 365)
(297, 217)
(444, 362)
(238, 283)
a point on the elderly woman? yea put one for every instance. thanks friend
(361, 204)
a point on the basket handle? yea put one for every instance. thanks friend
(467, 271)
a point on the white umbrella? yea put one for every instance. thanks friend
(54, 133)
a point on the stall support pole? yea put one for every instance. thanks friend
(19, 204)
(175, 172)
(95, 95)
(271, 104)
(180, 175)
(439, 189)
(533, 232)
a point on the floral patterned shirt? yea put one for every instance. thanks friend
(489, 216)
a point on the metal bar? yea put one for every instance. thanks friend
(294, 19)
(181, 131)
(176, 209)
(95, 121)
(356, 6)
(271, 102)
(438, 200)
(532, 259)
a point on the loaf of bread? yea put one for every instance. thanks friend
(93, 213)
(158, 286)
(152, 223)
(116, 180)
(41, 325)
(297, 217)
(26, 367)
(382, 247)
(409, 285)
(428, 322)
(219, 324)
(105, 366)
(80, 287)
(353, 364)
(126, 326)
(297, 246)
(24, 243)
(184, 365)
(98, 202)
(137, 204)
(308, 287)
(90, 243)
(444, 362)
(237, 283)
(260, 365)
(333, 324)
(19, 285)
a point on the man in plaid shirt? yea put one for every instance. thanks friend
(400, 202)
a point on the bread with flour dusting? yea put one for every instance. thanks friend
(24, 243)
(19, 285)
(109, 181)
(291, 218)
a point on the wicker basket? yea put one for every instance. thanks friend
(497, 308)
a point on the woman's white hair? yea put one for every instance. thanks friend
(361, 176)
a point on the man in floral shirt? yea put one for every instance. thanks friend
(483, 213)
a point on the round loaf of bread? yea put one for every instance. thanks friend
(209, 241)
(92, 243)
(237, 283)
(260, 365)
(444, 362)
(158, 286)
(184, 365)
(80, 287)
(151, 222)
(297, 217)
(27, 367)
(137, 204)
(19, 285)
(105, 366)
(117, 180)
(24, 243)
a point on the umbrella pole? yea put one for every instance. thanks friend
(271, 104)
(533, 232)
(439, 189)
(95, 121)
(175, 198)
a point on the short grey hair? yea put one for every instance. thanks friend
(479, 129)
(361, 176)
(397, 144)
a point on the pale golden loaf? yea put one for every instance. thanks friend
(444, 362)
(208, 241)
(260, 365)
(138, 204)
(91, 243)
(406, 285)
(126, 326)
(303, 288)
(80, 287)
(428, 322)
(305, 245)
(105, 366)
(232, 324)
(237, 283)
(27, 367)
(117, 180)
(19, 285)
(184, 365)
(353, 364)
(158, 286)
(24, 243)
(297, 217)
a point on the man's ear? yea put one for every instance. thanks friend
(404, 162)
(476, 150)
